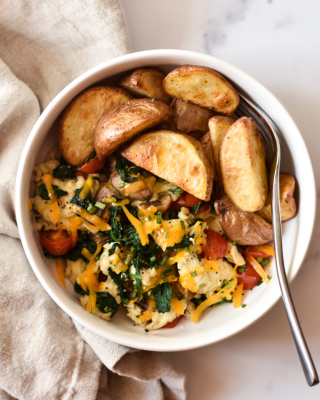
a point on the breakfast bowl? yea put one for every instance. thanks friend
(223, 321)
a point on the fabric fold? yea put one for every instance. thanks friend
(43, 353)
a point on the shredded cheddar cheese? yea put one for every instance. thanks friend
(53, 204)
(177, 305)
(93, 219)
(266, 249)
(30, 205)
(223, 293)
(146, 316)
(237, 296)
(89, 280)
(86, 188)
(60, 272)
(257, 267)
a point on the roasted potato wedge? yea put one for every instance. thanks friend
(80, 119)
(127, 120)
(175, 157)
(146, 82)
(287, 202)
(245, 228)
(205, 141)
(243, 167)
(218, 126)
(203, 86)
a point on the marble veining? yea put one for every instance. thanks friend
(276, 41)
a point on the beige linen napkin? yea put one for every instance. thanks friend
(44, 45)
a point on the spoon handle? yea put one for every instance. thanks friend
(301, 345)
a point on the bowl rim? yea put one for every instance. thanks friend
(20, 198)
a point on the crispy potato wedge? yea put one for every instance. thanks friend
(287, 202)
(218, 126)
(146, 82)
(205, 141)
(243, 167)
(127, 120)
(80, 119)
(203, 86)
(245, 228)
(175, 157)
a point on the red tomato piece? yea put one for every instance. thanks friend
(249, 277)
(216, 246)
(173, 323)
(256, 253)
(204, 208)
(185, 200)
(93, 166)
(56, 244)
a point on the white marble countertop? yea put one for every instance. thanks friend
(277, 42)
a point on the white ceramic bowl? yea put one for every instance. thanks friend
(218, 323)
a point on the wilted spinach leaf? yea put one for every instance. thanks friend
(107, 303)
(163, 295)
(43, 192)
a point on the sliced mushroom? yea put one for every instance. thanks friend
(161, 205)
(97, 238)
(143, 194)
(184, 292)
(102, 193)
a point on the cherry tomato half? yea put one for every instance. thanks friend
(56, 244)
(173, 323)
(249, 277)
(185, 200)
(204, 208)
(216, 246)
(93, 166)
(255, 252)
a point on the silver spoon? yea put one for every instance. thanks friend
(270, 136)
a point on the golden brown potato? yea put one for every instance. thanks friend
(243, 167)
(127, 120)
(203, 86)
(175, 157)
(218, 126)
(146, 82)
(80, 119)
(245, 228)
(205, 141)
(287, 202)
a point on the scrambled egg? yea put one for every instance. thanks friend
(195, 278)
(44, 168)
(84, 301)
(68, 185)
(158, 320)
(74, 269)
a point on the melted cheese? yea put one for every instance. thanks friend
(223, 293)
(146, 316)
(88, 280)
(266, 249)
(177, 305)
(60, 272)
(53, 204)
(86, 188)
(237, 296)
(257, 267)
(74, 223)
(30, 205)
(157, 280)
(94, 219)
